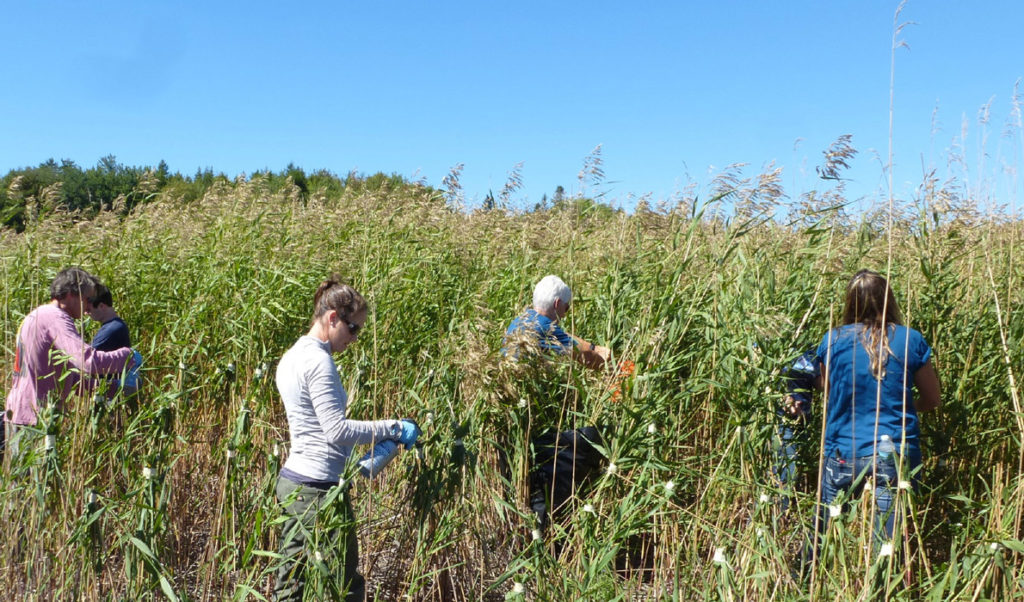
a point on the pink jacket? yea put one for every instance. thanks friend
(50, 352)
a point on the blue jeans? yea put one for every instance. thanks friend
(850, 474)
(793, 435)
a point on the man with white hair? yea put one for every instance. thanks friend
(562, 461)
(551, 299)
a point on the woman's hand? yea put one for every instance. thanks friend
(410, 433)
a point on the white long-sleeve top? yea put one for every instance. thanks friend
(315, 401)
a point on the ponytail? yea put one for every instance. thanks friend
(333, 295)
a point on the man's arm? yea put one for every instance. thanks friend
(589, 354)
(82, 355)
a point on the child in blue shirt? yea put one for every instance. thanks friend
(793, 415)
(113, 334)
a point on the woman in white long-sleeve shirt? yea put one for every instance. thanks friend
(320, 524)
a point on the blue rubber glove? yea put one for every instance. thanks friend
(410, 433)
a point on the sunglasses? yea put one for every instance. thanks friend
(353, 329)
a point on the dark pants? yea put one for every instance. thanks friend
(318, 541)
(562, 463)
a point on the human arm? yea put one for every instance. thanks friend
(928, 394)
(329, 401)
(80, 354)
(819, 378)
(589, 354)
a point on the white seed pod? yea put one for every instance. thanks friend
(535, 534)
(719, 557)
(760, 531)
(739, 430)
(670, 487)
(257, 373)
(904, 484)
(522, 402)
(341, 482)
(652, 428)
(51, 442)
(765, 498)
(93, 498)
(147, 472)
(231, 367)
(612, 468)
(589, 508)
(319, 557)
(182, 366)
(885, 550)
(834, 510)
(995, 546)
(231, 453)
(275, 451)
(518, 588)
(429, 420)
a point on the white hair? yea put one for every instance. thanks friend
(548, 290)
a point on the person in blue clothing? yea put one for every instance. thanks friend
(794, 414)
(113, 334)
(539, 324)
(869, 368)
(563, 460)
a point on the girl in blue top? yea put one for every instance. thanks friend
(868, 369)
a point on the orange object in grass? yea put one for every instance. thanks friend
(625, 370)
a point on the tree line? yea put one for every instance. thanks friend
(33, 192)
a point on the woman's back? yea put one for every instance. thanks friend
(858, 402)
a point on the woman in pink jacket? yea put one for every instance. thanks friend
(50, 356)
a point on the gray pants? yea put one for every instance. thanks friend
(318, 544)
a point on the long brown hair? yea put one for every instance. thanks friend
(342, 298)
(871, 302)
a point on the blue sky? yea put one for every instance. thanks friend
(672, 91)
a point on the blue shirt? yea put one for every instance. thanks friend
(548, 334)
(112, 335)
(854, 393)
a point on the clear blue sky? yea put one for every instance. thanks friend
(673, 91)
